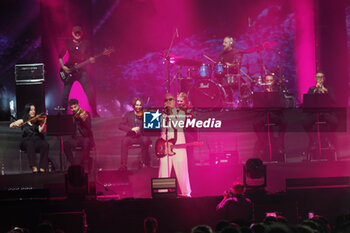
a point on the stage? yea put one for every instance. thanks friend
(123, 199)
(213, 167)
(226, 56)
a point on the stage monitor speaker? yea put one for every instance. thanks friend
(32, 186)
(30, 93)
(77, 184)
(164, 187)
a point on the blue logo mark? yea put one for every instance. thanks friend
(151, 119)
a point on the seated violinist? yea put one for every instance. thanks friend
(33, 139)
(132, 125)
(82, 136)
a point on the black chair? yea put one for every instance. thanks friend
(50, 168)
(137, 146)
(91, 163)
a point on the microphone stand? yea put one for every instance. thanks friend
(167, 145)
(59, 110)
(166, 120)
(167, 67)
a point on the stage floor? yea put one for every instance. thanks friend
(123, 199)
(207, 178)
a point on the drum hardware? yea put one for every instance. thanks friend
(186, 62)
(221, 70)
(168, 61)
(207, 94)
(185, 83)
(247, 82)
(230, 83)
(260, 47)
(231, 80)
(191, 72)
(210, 59)
(204, 71)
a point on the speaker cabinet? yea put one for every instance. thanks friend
(30, 93)
(32, 186)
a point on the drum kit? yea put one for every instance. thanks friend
(214, 84)
(207, 85)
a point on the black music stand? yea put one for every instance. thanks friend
(268, 101)
(317, 101)
(316, 104)
(60, 125)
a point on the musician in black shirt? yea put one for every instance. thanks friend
(325, 118)
(230, 56)
(82, 135)
(132, 125)
(79, 50)
(33, 138)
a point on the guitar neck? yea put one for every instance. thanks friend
(184, 145)
(87, 61)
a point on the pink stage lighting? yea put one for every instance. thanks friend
(305, 45)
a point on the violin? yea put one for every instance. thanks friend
(139, 114)
(81, 114)
(40, 118)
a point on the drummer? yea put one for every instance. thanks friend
(230, 56)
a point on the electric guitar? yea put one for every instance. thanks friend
(74, 69)
(163, 148)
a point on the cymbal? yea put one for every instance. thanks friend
(260, 47)
(169, 56)
(186, 62)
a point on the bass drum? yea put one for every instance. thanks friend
(207, 94)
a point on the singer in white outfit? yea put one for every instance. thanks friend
(179, 159)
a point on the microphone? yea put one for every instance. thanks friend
(249, 23)
(177, 33)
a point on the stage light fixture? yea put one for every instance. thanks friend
(254, 173)
(76, 182)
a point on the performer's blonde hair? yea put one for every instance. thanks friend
(183, 96)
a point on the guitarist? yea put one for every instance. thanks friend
(78, 51)
(132, 125)
(176, 135)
